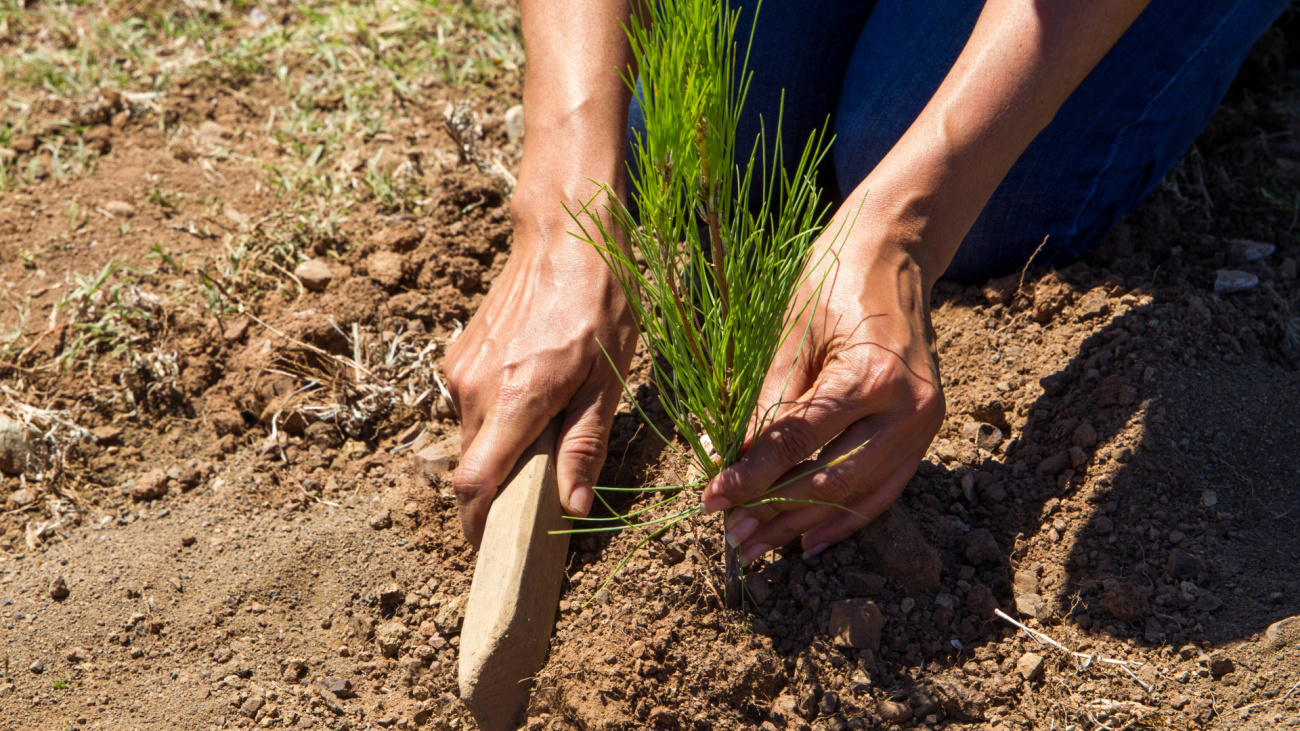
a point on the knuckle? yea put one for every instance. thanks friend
(468, 484)
(586, 447)
(791, 441)
(833, 486)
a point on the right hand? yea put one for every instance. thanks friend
(530, 352)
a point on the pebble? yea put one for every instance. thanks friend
(59, 589)
(22, 498)
(1208, 498)
(1030, 666)
(391, 595)
(314, 274)
(1054, 465)
(758, 588)
(1032, 605)
(77, 655)
(1126, 603)
(381, 520)
(856, 623)
(251, 706)
(37, 667)
(14, 446)
(985, 436)
(390, 637)
(106, 434)
(341, 687)
(1183, 565)
(386, 267)
(1219, 664)
(1247, 250)
(188, 540)
(120, 209)
(1231, 281)
(515, 123)
(7, 155)
(894, 712)
(980, 601)
(981, 547)
(149, 486)
(861, 583)
(1282, 633)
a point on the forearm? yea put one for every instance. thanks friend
(1021, 63)
(575, 100)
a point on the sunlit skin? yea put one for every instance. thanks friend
(868, 374)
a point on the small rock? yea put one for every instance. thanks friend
(385, 267)
(1085, 435)
(861, 583)
(77, 655)
(1126, 603)
(1032, 605)
(106, 434)
(22, 498)
(37, 667)
(1282, 633)
(1030, 666)
(443, 409)
(1208, 498)
(120, 209)
(390, 637)
(59, 589)
(452, 615)
(14, 446)
(1025, 580)
(314, 274)
(1054, 465)
(894, 712)
(1230, 281)
(381, 520)
(1092, 305)
(1183, 565)
(1103, 525)
(1219, 664)
(437, 459)
(1248, 251)
(894, 545)
(1078, 457)
(758, 588)
(829, 703)
(7, 155)
(515, 123)
(664, 716)
(1207, 602)
(252, 706)
(294, 668)
(980, 601)
(981, 547)
(985, 436)
(341, 687)
(188, 540)
(149, 486)
(214, 132)
(856, 623)
(391, 595)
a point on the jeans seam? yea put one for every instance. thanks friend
(1120, 137)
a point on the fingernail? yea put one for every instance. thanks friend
(754, 552)
(741, 531)
(580, 498)
(815, 550)
(714, 504)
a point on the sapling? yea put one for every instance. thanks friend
(718, 245)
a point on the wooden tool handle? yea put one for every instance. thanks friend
(516, 590)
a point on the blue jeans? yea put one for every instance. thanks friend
(871, 67)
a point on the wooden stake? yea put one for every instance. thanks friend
(516, 590)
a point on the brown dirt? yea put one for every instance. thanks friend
(1141, 504)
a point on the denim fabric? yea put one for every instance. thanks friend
(869, 68)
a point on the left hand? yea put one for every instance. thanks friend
(865, 378)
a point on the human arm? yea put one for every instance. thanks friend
(531, 350)
(865, 384)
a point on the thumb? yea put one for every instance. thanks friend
(584, 436)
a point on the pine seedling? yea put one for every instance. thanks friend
(717, 248)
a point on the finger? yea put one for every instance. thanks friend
(843, 524)
(584, 437)
(833, 403)
(488, 459)
(854, 464)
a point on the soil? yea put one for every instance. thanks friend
(222, 526)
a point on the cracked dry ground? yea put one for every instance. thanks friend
(221, 548)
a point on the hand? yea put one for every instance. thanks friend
(862, 387)
(530, 352)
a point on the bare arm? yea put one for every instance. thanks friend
(530, 352)
(867, 384)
